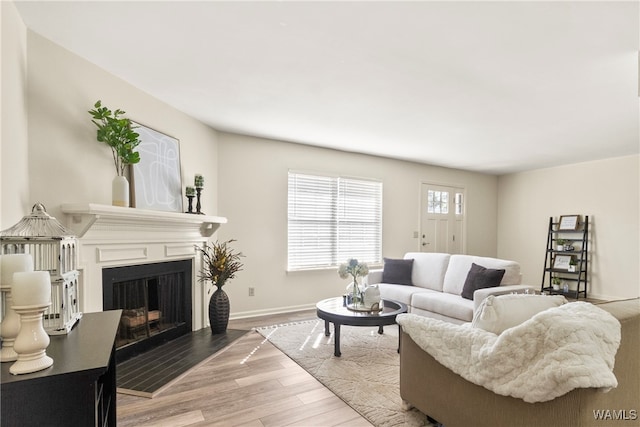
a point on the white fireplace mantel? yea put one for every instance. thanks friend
(112, 236)
(82, 217)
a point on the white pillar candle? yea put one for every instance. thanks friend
(32, 288)
(13, 263)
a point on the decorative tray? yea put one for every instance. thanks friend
(376, 308)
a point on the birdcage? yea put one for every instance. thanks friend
(53, 249)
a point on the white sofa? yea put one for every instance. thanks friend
(437, 282)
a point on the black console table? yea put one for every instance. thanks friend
(78, 390)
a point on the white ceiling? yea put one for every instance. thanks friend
(496, 87)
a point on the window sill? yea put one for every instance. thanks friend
(332, 268)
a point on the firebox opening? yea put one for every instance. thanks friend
(155, 300)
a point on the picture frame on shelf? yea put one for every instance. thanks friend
(157, 179)
(562, 262)
(568, 222)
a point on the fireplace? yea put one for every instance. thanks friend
(113, 237)
(155, 300)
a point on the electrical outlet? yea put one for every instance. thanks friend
(252, 292)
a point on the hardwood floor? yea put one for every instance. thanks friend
(250, 383)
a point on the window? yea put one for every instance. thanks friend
(438, 202)
(332, 219)
(459, 203)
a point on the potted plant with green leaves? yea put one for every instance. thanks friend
(119, 134)
(555, 283)
(560, 244)
(220, 263)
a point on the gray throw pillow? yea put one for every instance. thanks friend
(397, 271)
(480, 277)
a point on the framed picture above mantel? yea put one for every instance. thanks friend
(156, 180)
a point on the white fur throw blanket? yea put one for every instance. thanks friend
(557, 350)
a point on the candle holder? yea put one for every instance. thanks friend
(10, 329)
(198, 191)
(190, 204)
(32, 341)
(32, 296)
(10, 264)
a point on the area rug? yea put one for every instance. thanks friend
(367, 374)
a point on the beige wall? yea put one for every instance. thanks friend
(67, 164)
(60, 161)
(253, 195)
(606, 190)
(14, 167)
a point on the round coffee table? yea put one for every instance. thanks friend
(333, 310)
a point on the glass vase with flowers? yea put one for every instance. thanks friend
(354, 269)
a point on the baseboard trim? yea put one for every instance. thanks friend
(608, 297)
(270, 311)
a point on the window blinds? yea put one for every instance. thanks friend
(332, 219)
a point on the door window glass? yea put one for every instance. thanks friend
(459, 203)
(438, 202)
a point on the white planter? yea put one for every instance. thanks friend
(120, 191)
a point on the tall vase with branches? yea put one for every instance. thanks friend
(119, 134)
(220, 263)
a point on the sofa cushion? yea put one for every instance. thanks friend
(397, 271)
(459, 266)
(480, 278)
(512, 274)
(445, 304)
(400, 293)
(428, 269)
(424, 313)
(499, 313)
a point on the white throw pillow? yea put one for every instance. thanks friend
(501, 312)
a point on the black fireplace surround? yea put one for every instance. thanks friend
(156, 303)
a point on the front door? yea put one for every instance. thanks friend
(441, 219)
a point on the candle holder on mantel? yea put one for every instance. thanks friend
(190, 210)
(190, 193)
(198, 211)
(199, 183)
